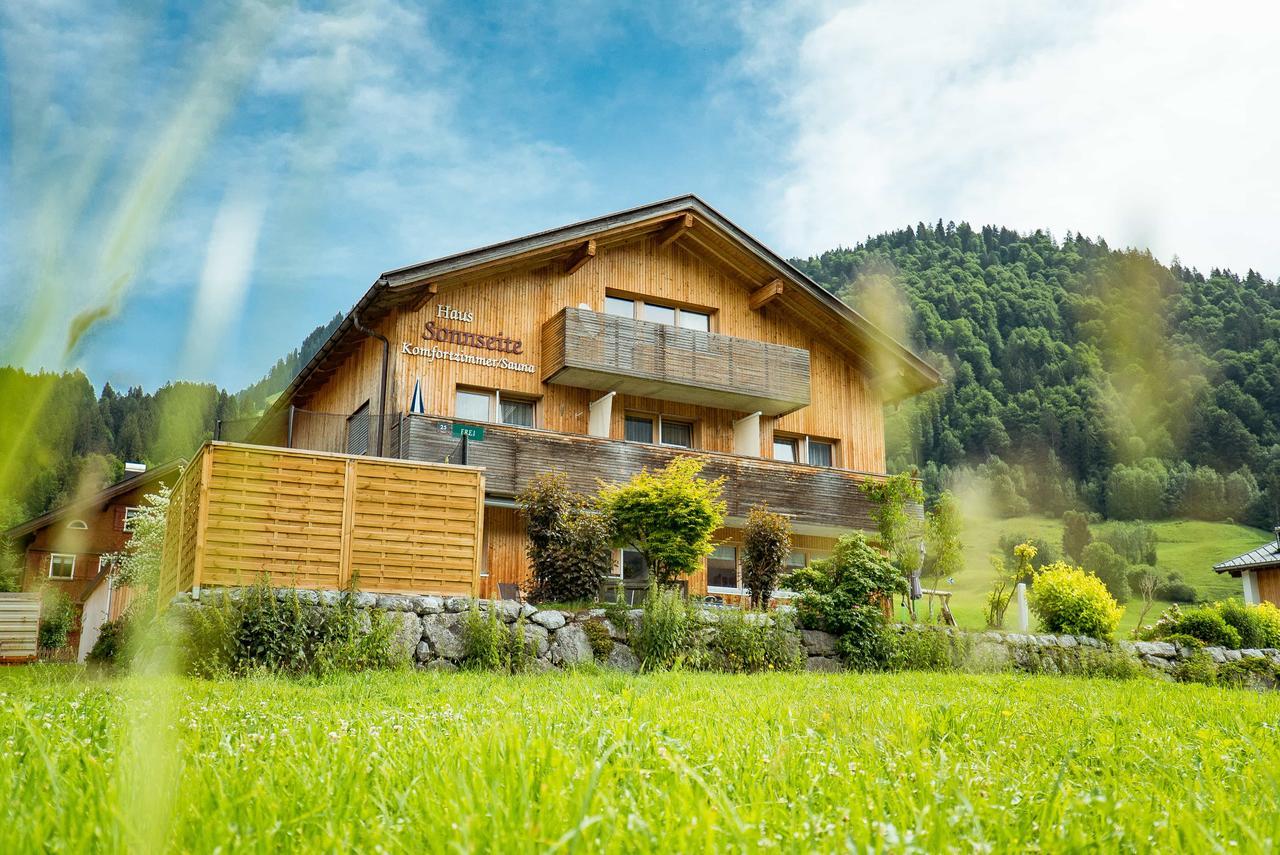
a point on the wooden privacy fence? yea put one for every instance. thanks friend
(312, 519)
(19, 626)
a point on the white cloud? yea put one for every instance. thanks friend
(1149, 123)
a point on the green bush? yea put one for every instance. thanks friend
(925, 649)
(846, 603)
(598, 636)
(112, 642)
(568, 542)
(1174, 590)
(1103, 561)
(1183, 640)
(1204, 622)
(57, 617)
(1258, 626)
(1198, 668)
(765, 549)
(1068, 600)
(1110, 662)
(1248, 674)
(667, 633)
(668, 517)
(484, 641)
(744, 642)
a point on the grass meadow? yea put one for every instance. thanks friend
(673, 762)
(1189, 547)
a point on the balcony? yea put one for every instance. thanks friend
(591, 350)
(821, 501)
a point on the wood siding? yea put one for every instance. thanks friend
(1269, 586)
(828, 498)
(19, 626)
(312, 520)
(596, 351)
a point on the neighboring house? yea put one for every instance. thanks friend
(1258, 571)
(65, 548)
(599, 349)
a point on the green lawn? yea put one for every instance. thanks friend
(1187, 546)
(611, 762)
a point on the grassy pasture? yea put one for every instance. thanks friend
(1189, 547)
(608, 762)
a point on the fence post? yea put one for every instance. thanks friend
(217, 429)
(463, 452)
(289, 439)
(1024, 616)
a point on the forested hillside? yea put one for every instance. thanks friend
(58, 437)
(1078, 375)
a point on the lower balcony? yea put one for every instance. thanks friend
(820, 501)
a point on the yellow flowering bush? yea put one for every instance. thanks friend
(1067, 599)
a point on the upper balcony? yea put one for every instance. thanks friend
(592, 350)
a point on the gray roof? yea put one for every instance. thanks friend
(1267, 555)
(129, 482)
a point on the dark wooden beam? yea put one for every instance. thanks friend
(428, 291)
(673, 230)
(766, 293)
(580, 256)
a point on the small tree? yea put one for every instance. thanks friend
(944, 554)
(1075, 535)
(568, 541)
(1007, 580)
(899, 530)
(667, 516)
(1144, 586)
(765, 549)
(57, 616)
(1102, 561)
(138, 565)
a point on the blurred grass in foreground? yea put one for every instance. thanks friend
(670, 762)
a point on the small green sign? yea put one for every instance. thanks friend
(475, 433)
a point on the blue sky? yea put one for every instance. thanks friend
(199, 189)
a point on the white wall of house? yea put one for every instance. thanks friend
(96, 611)
(1250, 580)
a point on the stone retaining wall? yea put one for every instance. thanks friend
(429, 630)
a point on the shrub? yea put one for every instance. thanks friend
(1258, 626)
(898, 529)
(1103, 561)
(921, 649)
(811, 578)
(944, 552)
(1183, 640)
(138, 564)
(848, 601)
(1197, 668)
(668, 517)
(1136, 543)
(57, 617)
(737, 644)
(667, 632)
(1248, 674)
(568, 543)
(483, 640)
(765, 549)
(1204, 622)
(1066, 599)
(599, 638)
(110, 647)
(1001, 594)
(1174, 590)
(1043, 555)
(1075, 534)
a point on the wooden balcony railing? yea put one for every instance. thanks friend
(820, 500)
(592, 350)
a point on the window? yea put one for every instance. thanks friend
(820, 453)
(658, 313)
(79, 525)
(358, 430)
(630, 566)
(516, 412)
(806, 449)
(130, 514)
(677, 433)
(795, 560)
(722, 569)
(475, 405)
(638, 429)
(641, 427)
(619, 306)
(62, 566)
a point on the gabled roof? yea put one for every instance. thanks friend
(119, 488)
(404, 285)
(1267, 555)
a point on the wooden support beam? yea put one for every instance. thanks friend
(580, 256)
(766, 293)
(673, 230)
(429, 291)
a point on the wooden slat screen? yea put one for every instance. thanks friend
(19, 626)
(312, 519)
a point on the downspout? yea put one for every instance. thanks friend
(386, 356)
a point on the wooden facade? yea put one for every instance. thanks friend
(317, 519)
(586, 325)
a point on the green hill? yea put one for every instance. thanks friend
(1188, 547)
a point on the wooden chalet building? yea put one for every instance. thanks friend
(607, 346)
(67, 548)
(1258, 571)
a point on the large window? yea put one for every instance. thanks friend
(722, 570)
(659, 313)
(806, 449)
(630, 565)
(643, 427)
(62, 566)
(130, 514)
(483, 405)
